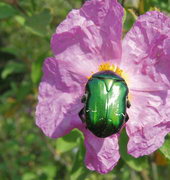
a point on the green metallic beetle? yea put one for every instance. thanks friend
(106, 100)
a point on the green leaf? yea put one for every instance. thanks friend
(38, 23)
(68, 142)
(49, 170)
(29, 176)
(137, 164)
(79, 171)
(36, 69)
(63, 146)
(6, 10)
(125, 15)
(165, 149)
(11, 50)
(131, 11)
(20, 19)
(74, 135)
(12, 67)
(129, 21)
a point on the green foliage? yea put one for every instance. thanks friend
(6, 10)
(12, 67)
(68, 142)
(36, 69)
(165, 149)
(26, 154)
(38, 23)
(137, 164)
(78, 170)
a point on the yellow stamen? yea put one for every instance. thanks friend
(88, 77)
(110, 67)
(107, 66)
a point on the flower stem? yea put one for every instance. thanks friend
(133, 175)
(144, 175)
(154, 171)
(141, 6)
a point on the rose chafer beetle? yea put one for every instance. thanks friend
(105, 102)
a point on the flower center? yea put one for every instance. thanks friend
(110, 67)
(107, 66)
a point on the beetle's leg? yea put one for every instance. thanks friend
(128, 103)
(126, 117)
(83, 99)
(81, 115)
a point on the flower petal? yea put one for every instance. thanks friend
(102, 154)
(146, 56)
(146, 59)
(59, 104)
(149, 121)
(92, 33)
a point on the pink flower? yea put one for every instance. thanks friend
(89, 40)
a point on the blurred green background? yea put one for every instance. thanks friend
(26, 27)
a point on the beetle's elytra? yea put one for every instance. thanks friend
(105, 102)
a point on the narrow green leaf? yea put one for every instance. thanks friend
(137, 164)
(36, 69)
(79, 171)
(125, 15)
(131, 11)
(165, 149)
(129, 21)
(6, 10)
(10, 50)
(12, 67)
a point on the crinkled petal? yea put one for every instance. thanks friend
(102, 154)
(149, 121)
(79, 71)
(146, 53)
(146, 59)
(58, 104)
(92, 33)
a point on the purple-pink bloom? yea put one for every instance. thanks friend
(88, 38)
